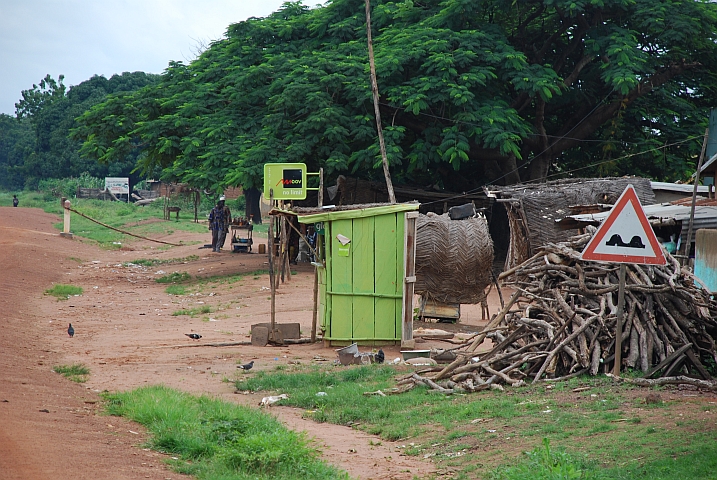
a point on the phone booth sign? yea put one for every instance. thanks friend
(285, 181)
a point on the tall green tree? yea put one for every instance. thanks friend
(17, 142)
(472, 92)
(50, 109)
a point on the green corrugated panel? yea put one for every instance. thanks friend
(385, 277)
(341, 281)
(400, 271)
(329, 264)
(362, 246)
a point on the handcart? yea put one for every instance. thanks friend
(241, 232)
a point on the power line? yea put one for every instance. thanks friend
(465, 194)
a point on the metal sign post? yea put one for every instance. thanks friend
(624, 237)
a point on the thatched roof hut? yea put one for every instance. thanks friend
(533, 209)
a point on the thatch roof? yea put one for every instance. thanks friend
(533, 209)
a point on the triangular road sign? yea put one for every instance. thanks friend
(625, 236)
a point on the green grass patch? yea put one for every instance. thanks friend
(219, 440)
(176, 277)
(176, 290)
(145, 220)
(193, 312)
(152, 262)
(393, 417)
(229, 279)
(544, 463)
(63, 292)
(76, 372)
(462, 431)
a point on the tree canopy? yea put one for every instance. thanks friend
(472, 92)
(36, 144)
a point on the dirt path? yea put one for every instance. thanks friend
(49, 427)
(127, 336)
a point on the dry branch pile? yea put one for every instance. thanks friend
(561, 322)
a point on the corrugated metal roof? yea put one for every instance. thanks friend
(685, 188)
(661, 214)
(658, 212)
(357, 213)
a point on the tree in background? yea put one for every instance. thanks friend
(37, 145)
(472, 92)
(17, 142)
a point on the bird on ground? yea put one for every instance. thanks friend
(71, 331)
(194, 336)
(246, 366)
(380, 356)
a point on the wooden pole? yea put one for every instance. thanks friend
(321, 187)
(317, 260)
(277, 257)
(374, 90)
(409, 280)
(316, 304)
(688, 243)
(618, 327)
(270, 245)
(288, 223)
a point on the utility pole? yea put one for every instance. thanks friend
(374, 90)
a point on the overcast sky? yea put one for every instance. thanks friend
(81, 38)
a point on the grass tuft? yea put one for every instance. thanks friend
(63, 292)
(77, 372)
(176, 290)
(544, 463)
(153, 262)
(193, 312)
(176, 277)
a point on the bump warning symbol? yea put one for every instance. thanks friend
(626, 235)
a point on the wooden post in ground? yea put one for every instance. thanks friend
(409, 282)
(270, 245)
(316, 304)
(317, 260)
(321, 187)
(618, 327)
(688, 243)
(66, 227)
(374, 90)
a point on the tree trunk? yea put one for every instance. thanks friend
(253, 208)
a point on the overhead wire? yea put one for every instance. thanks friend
(595, 164)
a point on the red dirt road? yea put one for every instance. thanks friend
(49, 427)
(126, 333)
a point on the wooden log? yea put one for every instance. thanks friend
(595, 359)
(479, 339)
(678, 380)
(667, 361)
(562, 345)
(698, 365)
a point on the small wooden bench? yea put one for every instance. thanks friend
(173, 209)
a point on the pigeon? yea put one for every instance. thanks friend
(246, 366)
(71, 331)
(380, 356)
(194, 336)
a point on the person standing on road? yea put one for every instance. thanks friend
(219, 220)
(15, 201)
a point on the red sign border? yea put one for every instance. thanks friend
(629, 195)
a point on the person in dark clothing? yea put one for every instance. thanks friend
(15, 201)
(219, 219)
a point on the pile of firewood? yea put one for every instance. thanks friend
(561, 322)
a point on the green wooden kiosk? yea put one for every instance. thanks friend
(366, 273)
